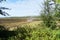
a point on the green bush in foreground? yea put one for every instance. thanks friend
(39, 33)
(35, 33)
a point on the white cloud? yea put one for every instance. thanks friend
(24, 8)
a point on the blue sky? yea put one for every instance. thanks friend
(23, 7)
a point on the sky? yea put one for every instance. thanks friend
(22, 7)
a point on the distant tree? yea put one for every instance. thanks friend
(3, 8)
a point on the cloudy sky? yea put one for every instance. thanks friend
(23, 7)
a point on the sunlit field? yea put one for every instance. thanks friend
(13, 23)
(26, 29)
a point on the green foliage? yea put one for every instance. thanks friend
(57, 11)
(35, 33)
(39, 33)
(47, 16)
(57, 1)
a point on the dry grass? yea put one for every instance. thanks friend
(15, 25)
(11, 24)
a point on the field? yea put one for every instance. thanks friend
(15, 22)
(12, 23)
(26, 29)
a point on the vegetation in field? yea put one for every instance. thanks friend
(40, 32)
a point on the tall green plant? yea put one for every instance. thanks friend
(57, 9)
(47, 15)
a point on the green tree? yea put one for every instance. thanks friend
(47, 15)
(57, 9)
